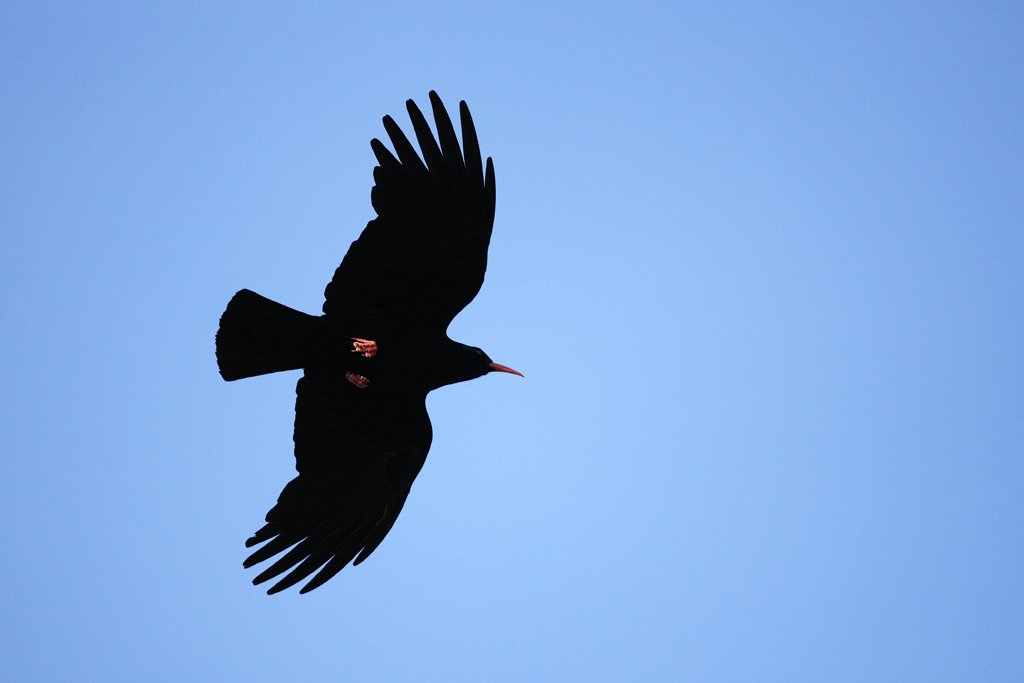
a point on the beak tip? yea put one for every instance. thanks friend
(495, 367)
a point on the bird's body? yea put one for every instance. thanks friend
(361, 427)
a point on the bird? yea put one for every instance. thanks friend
(381, 344)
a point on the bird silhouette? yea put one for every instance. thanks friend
(361, 427)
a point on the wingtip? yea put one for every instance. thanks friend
(365, 553)
(273, 590)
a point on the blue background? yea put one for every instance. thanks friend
(761, 264)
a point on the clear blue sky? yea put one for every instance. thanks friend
(761, 263)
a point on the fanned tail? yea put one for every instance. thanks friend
(258, 336)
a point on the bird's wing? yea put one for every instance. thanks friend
(356, 462)
(422, 260)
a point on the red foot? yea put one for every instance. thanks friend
(358, 380)
(367, 347)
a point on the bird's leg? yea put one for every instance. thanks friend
(358, 380)
(367, 347)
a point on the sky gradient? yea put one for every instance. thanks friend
(763, 269)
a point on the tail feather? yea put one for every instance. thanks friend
(259, 336)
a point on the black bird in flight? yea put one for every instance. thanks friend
(361, 426)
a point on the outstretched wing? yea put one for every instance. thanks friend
(356, 462)
(422, 260)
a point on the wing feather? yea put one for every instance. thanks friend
(450, 150)
(425, 138)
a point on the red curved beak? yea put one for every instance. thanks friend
(502, 368)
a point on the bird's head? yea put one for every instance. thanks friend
(459, 363)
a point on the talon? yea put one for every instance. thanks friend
(358, 380)
(367, 347)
